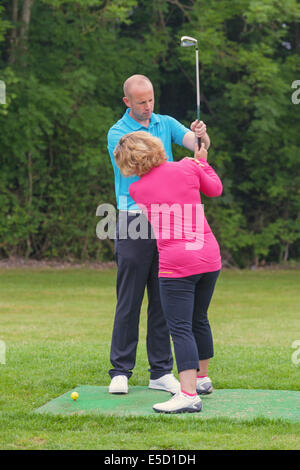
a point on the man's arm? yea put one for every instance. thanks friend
(198, 129)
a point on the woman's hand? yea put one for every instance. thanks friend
(200, 153)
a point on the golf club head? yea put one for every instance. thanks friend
(187, 41)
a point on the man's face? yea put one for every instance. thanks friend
(141, 102)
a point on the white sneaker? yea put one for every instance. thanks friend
(167, 382)
(204, 386)
(180, 403)
(119, 385)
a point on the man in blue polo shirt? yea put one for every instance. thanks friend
(137, 259)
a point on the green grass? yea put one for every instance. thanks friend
(57, 328)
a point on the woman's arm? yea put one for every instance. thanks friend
(210, 183)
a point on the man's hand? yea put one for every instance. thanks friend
(199, 129)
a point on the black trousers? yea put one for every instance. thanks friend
(185, 303)
(137, 262)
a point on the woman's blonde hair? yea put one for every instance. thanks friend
(138, 152)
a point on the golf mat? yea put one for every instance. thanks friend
(235, 404)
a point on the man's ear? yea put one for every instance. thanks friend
(126, 101)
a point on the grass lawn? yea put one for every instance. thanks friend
(57, 323)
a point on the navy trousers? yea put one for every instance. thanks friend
(185, 303)
(137, 262)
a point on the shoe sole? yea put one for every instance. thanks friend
(162, 390)
(205, 392)
(118, 391)
(182, 410)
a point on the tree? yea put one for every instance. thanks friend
(64, 64)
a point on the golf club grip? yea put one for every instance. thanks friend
(199, 143)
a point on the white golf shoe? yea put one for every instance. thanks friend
(180, 403)
(204, 386)
(119, 385)
(167, 382)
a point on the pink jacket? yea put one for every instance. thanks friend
(170, 198)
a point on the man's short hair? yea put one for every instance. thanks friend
(134, 79)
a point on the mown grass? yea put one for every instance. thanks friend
(57, 328)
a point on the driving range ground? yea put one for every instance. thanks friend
(239, 404)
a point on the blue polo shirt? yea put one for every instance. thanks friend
(165, 127)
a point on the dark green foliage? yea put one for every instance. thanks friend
(64, 72)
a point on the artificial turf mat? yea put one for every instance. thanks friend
(235, 404)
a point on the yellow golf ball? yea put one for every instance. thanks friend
(74, 395)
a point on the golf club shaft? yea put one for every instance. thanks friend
(198, 91)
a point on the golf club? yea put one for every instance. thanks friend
(187, 41)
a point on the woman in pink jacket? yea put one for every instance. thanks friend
(189, 254)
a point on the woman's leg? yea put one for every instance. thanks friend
(188, 381)
(203, 367)
(177, 298)
(201, 327)
(202, 331)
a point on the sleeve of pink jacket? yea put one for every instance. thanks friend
(210, 183)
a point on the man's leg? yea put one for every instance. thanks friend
(134, 260)
(158, 336)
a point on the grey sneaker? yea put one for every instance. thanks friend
(119, 385)
(167, 382)
(204, 386)
(180, 403)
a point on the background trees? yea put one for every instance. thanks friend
(64, 64)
